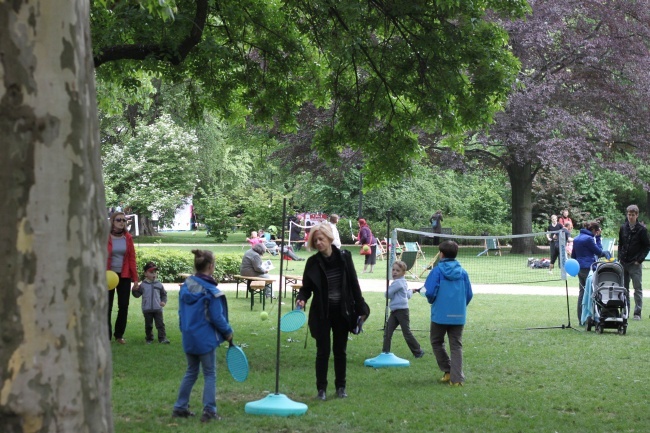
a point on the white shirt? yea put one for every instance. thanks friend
(337, 239)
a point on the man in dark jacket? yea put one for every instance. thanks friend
(633, 247)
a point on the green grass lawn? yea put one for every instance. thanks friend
(518, 380)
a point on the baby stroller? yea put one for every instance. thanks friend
(609, 299)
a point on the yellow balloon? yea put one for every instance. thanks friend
(112, 279)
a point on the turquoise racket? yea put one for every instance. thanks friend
(237, 363)
(293, 320)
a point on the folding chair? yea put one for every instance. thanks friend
(431, 265)
(382, 249)
(491, 244)
(410, 258)
(398, 247)
(414, 246)
(608, 245)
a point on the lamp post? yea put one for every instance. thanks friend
(359, 167)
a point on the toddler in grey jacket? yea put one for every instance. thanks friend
(154, 298)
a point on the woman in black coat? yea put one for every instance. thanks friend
(337, 303)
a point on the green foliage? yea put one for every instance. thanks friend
(486, 206)
(172, 263)
(598, 191)
(262, 210)
(214, 209)
(152, 170)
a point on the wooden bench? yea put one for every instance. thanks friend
(255, 285)
(291, 279)
(295, 288)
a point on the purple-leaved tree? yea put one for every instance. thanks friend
(581, 99)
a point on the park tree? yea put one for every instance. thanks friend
(153, 169)
(379, 68)
(55, 363)
(383, 67)
(580, 102)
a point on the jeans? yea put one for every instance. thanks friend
(633, 272)
(123, 290)
(208, 361)
(400, 317)
(338, 326)
(582, 280)
(453, 364)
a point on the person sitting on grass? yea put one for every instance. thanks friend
(449, 291)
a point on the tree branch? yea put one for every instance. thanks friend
(174, 55)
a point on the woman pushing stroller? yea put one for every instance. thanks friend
(587, 248)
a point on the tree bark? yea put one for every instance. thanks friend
(55, 359)
(521, 181)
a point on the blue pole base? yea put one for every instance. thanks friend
(386, 360)
(275, 405)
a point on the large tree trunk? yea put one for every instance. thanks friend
(55, 359)
(521, 182)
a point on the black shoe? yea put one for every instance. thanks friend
(210, 416)
(182, 413)
(321, 395)
(420, 354)
(340, 392)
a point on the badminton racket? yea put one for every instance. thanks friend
(237, 363)
(293, 320)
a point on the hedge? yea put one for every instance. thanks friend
(172, 263)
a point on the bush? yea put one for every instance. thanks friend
(171, 263)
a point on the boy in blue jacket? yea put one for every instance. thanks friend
(203, 319)
(449, 291)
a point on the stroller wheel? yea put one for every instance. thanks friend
(589, 324)
(599, 329)
(621, 330)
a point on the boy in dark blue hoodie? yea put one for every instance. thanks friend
(449, 291)
(203, 319)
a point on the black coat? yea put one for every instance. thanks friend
(633, 243)
(314, 282)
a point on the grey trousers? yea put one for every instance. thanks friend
(633, 272)
(453, 364)
(400, 317)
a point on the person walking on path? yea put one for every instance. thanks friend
(449, 291)
(399, 294)
(633, 247)
(365, 237)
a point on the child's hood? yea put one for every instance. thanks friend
(450, 269)
(196, 291)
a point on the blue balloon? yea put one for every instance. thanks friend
(572, 267)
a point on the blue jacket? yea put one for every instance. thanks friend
(449, 291)
(586, 248)
(202, 316)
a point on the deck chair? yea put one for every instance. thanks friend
(431, 265)
(382, 249)
(608, 245)
(410, 258)
(398, 247)
(491, 244)
(414, 246)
